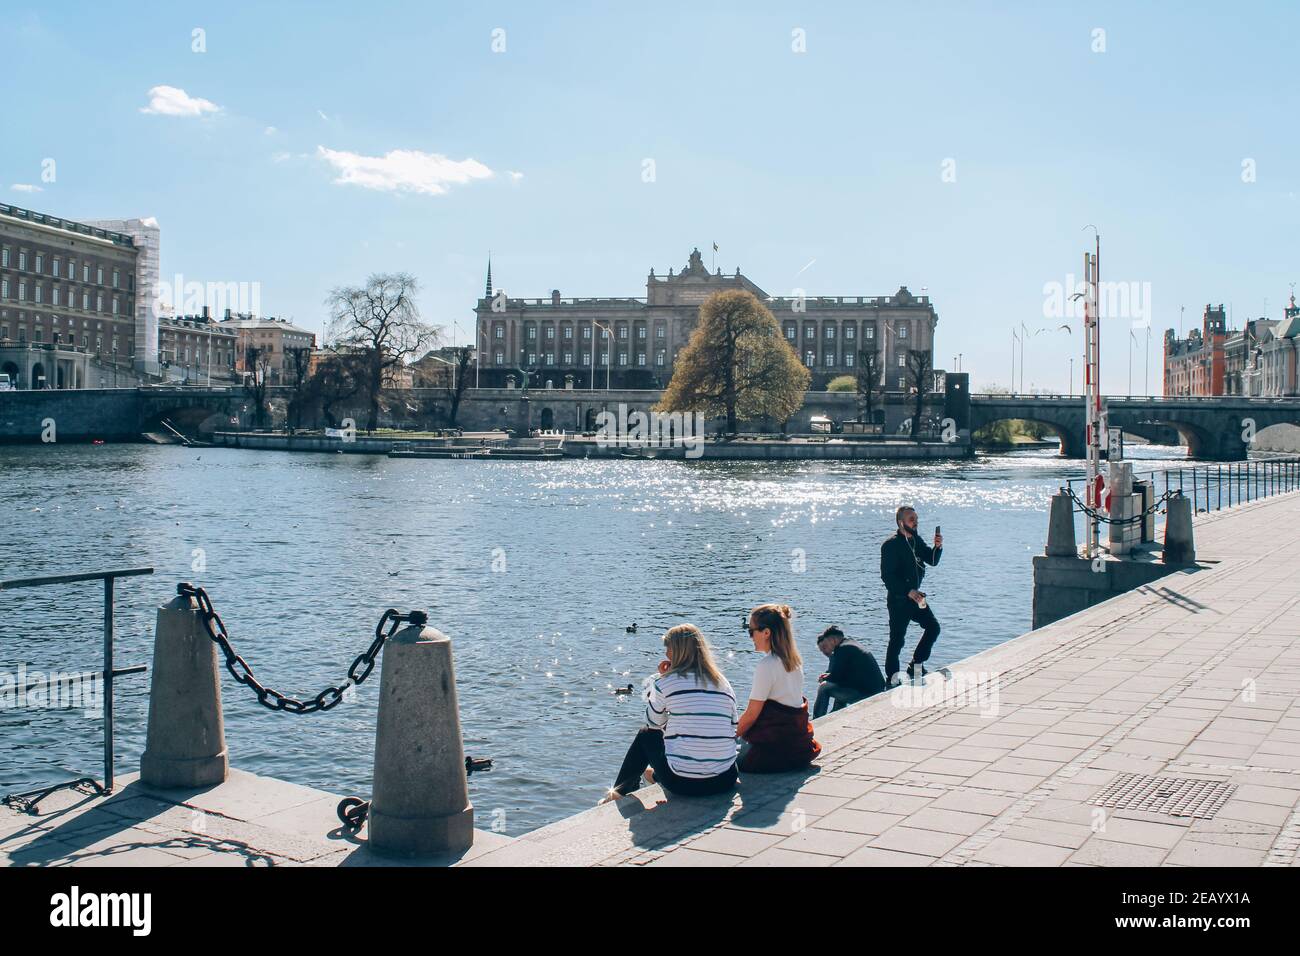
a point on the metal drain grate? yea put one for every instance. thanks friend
(1176, 796)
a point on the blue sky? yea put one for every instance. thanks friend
(821, 170)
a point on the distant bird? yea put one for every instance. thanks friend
(631, 629)
(393, 574)
(622, 691)
(1066, 327)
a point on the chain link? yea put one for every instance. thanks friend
(1107, 519)
(274, 700)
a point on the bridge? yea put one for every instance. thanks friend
(1218, 428)
(114, 414)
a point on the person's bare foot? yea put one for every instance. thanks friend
(649, 775)
(610, 796)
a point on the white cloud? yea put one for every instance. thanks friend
(321, 114)
(514, 176)
(172, 101)
(269, 131)
(26, 188)
(281, 157)
(405, 170)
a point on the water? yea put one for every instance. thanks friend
(534, 569)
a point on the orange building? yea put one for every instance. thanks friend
(1196, 365)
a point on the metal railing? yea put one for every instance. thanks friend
(28, 800)
(1213, 487)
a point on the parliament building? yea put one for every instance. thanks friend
(633, 342)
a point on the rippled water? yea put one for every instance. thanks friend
(304, 551)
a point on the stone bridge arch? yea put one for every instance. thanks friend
(196, 412)
(1064, 421)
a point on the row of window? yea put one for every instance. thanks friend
(56, 298)
(69, 338)
(791, 331)
(62, 268)
(661, 358)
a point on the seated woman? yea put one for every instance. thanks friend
(689, 747)
(776, 724)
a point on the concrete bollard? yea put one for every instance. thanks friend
(1060, 527)
(1180, 545)
(420, 805)
(186, 742)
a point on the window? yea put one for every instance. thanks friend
(870, 332)
(99, 302)
(789, 332)
(40, 262)
(71, 271)
(22, 260)
(586, 358)
(849, 332)
(568, 358)
(22, 291)
(809, 332)
(4, 257)
(85, 272)
(54, 269)
(640, 332)
(116, 279)
(902, 331)
(115, 305)
(550, 358)
(4, 288)
(22, 333)
(830, 332)
(586, 332)
(54, 295)
(500, 357)
(99, 275)
(660, 357)
(902, 382)
(622, 332)
(532, 333)
(499, 332)
(85, 301)
(809, 359)
(902, 361)
(660, 332)
(622, 356)
(550, 332)
(39, 292)
(532, 358)
(640, 358)
(848, 359)
(568, 332)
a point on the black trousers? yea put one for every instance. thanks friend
(902, 612)
(647, 750)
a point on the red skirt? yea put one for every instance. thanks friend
(780, 740)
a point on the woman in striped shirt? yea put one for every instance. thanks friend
(689, 745)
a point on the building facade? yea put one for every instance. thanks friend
(1197, 365)
(195, 348)
(634, 342)
(1274, 367)
(68, 301)
(274, 339)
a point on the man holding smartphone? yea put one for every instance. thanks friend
(903, 558)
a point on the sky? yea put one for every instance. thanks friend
(961, 149)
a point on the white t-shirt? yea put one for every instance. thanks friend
(773, 682)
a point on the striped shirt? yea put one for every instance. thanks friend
(698, 719)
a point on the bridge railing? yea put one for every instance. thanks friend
(1214, 487)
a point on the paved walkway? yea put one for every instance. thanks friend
(1194, 678)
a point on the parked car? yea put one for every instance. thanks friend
(6, 383)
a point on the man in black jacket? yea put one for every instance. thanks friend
(853, 675)
(903, 558)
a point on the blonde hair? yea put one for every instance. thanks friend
(689, 653)
(776, 618)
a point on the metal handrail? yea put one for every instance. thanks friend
(1215, 486)
(29, 799)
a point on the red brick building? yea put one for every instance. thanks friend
(1196, 365)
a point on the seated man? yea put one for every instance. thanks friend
(854, 673)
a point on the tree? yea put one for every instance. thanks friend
(297, 365)
(918, 369)
(257, 365)
(460, 381)
(737, 363)
(842, 383)
(381, 323)
(337, 378)
(870, 379)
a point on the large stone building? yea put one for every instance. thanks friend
(275, 341)
(633, 342)
(1197, 365)
(1274, 367)
(197, 349)
(69, 312)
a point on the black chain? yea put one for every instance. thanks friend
(273, 699)
(353, 811)
(1132, 519)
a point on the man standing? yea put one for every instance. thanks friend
(853, 676)
(903, 558)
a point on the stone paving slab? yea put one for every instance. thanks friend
(1196, 675)
(247, 821)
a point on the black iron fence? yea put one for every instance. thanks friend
(1213, 487)
(27, 801)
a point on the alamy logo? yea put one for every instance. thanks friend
(189, 298)
(651, 430)
(1116, 300)
(82, 691)
(75, 908)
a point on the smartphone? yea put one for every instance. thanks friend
(936, 530)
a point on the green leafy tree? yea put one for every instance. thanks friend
(737, 364)
(843, 383)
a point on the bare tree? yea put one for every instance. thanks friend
(381, 323)
(336, 379)
(918, 368)
(870, 377)
(459, 382)
(297, 365)
(257, 378)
